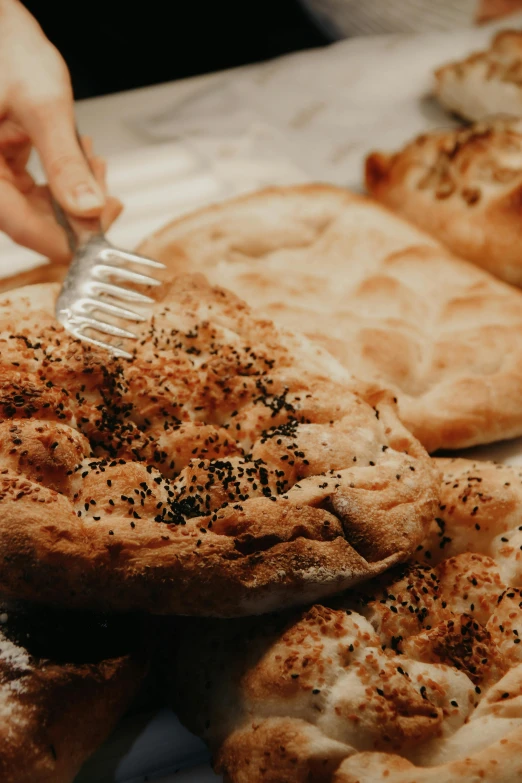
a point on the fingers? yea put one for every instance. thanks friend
(23, 181)
(37, 95)
(52, 131)
(27, 227)
(98, 166)
(86, 143)
(12, 132)
(99, 169)
(13, 161)
(113, 209)
(15, 145)
(16, 157)
(25, 210)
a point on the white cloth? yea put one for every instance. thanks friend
(320, 110)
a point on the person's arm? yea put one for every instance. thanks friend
(37, 109)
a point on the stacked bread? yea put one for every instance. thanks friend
(261, 467)
(416, 675)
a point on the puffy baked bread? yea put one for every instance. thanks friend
(462, 186)
(485, 83)
(480, 511)
(228, 469)
(417, 677)
(489, 10)
(385, 298)
(65, 680)
(46, 272)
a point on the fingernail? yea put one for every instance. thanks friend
(85, 197)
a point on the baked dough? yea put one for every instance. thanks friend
(46, 272)
(228, 469)
(489, 10)
(462, 186)
(485, 83)
(65, 680)
(385, 298)
(416, 678)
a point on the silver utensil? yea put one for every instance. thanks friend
(89, 292)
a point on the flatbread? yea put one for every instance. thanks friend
(464, 187)
(228, 468)
(386, 299)
(47, 272)
(65, 680)
(485, 83)
(415, 678)
(488, 10)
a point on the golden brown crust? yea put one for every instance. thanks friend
(499, 762)
(49, 272)
(464, 187)
(415, 677)
(488, 10)
(484, 83)
(480, 512)
(64, 682)
(229, 468)
(391, 304)
(277, 749)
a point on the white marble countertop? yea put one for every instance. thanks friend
(176, 146)
(110, 119)
(311, 115)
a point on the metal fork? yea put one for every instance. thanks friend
(87, 288)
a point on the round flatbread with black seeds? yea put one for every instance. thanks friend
(228, 468)
(416, 677)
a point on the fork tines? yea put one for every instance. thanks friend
(88, 291)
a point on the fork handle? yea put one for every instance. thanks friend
(78, 230)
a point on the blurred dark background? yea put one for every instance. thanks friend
(112, 45)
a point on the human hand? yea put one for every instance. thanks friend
(37, 109)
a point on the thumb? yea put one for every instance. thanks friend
(69, 176)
